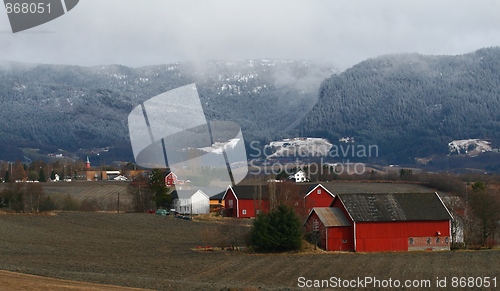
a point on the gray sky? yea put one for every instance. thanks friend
(343, 33)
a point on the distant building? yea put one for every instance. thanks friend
(190, 201)
(216, 202)
(246, 201)
(299, 176)
(171, 179)
(87, 164)
(318, 196)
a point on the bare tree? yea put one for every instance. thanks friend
(142, 196)
(485, 204)
(33, 196)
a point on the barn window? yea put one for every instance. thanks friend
(318, 191)
(244, 211)
(437, 240)
(447, 240)
(231, 203)
(412, 241)
(315, 225)
(429, 241)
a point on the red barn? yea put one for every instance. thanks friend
(318, 196)
(246, 201)
(382, 222)
(170, 179)
(321, 195)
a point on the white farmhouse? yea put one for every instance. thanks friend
(299, 176)
(190, 201)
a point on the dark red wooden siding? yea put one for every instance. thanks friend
(340, 238)
(318, 197)
(243, 208)
(394, 235)
(248, 208)
(230, 203)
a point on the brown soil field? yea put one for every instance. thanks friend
(16, 281)
(154, 252)
(103, 193)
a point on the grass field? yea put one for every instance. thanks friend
(149, 251)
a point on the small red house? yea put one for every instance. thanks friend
(246, 201)
(170, 179)
(382, 222)
(318, 196)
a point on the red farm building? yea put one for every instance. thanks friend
(246, 201)
(170, 179)
(382, 222)
(318, 196)
(322, 195)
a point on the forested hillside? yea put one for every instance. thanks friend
(411, 105)
(53, 107)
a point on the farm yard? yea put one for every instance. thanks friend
(157, 252)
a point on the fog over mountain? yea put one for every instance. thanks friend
(74, 108)
(412, 105)
(409, 105)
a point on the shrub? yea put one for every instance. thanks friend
(278, 230)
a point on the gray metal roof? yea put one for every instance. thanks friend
(371, 187)
(394, 207)
(331, 216)
(251, 191)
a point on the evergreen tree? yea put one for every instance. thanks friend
(278, 230)
(7, 176)
(41, 176)
(157, 184)
(52, 175)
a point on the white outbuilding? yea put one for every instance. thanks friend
(190, 201)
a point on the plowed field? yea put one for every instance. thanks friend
(149, 251)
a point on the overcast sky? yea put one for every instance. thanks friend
(343, 33)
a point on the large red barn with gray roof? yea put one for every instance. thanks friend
(382, 222)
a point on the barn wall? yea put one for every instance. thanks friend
(394, 236)
(230, 207)
(321, 231)
(340, 238)
(323, 199)
(249, 206)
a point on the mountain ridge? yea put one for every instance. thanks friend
(73, 107)
(411, 105)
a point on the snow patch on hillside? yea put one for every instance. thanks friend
(299, 147)
(469, 147)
